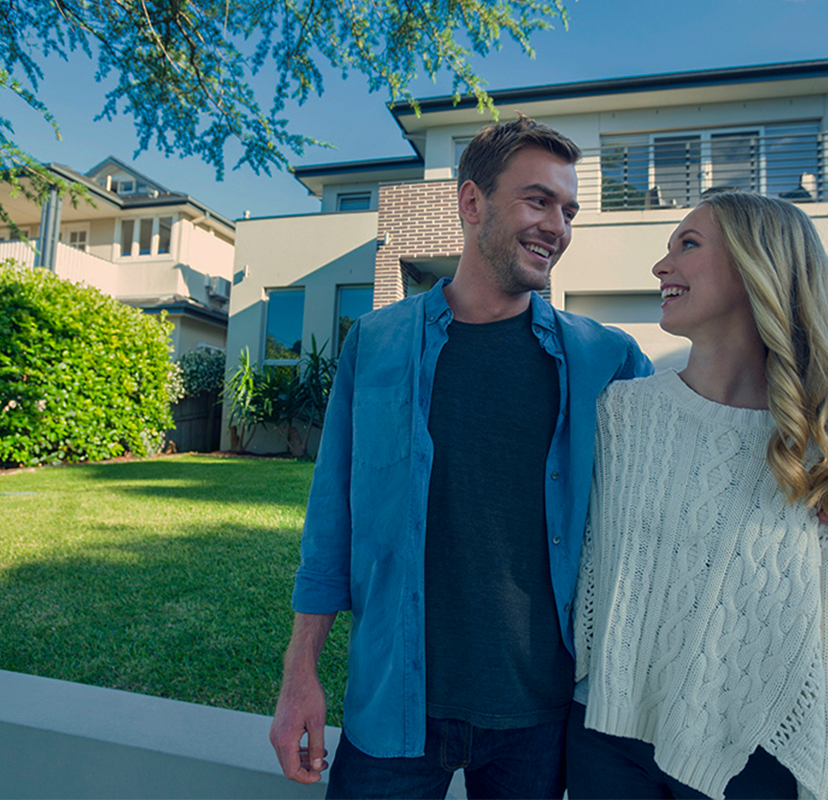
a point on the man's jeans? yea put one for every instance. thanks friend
(522, 763)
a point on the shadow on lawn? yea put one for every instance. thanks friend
(201, 616)
(222, 480)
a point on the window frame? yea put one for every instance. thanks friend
(458, 145)
(65, 236)
(282, 362)
(706, 137)
(135, 245)
(366, 195)
(8, 235)
(337, 348)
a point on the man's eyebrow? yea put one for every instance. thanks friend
(543, 189)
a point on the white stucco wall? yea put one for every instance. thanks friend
(317, 252)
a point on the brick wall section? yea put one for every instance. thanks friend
(416, 220)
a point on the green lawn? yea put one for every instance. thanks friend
(168, 576)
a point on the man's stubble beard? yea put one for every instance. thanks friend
(499, 251)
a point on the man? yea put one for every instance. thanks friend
(448, 505)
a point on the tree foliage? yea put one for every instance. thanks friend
(82, 376)
(184, 69)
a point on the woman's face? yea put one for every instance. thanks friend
(703, 296)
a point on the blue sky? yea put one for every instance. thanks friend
(606, 39)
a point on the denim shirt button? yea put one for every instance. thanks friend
(556, 540)
(567, 608)
(555, 476)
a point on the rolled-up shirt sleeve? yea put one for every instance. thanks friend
(322, 583)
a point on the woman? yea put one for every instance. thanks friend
(700, 629)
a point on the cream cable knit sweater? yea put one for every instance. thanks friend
(699, 612)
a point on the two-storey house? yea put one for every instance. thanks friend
(134, 239)
(652, 146)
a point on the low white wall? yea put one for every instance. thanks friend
(67, 740)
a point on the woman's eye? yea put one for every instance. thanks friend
(686, 244)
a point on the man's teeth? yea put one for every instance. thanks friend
(673, 291)
(541, 251)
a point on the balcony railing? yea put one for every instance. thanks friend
(649, 172)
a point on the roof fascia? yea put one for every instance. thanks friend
(67, 173)
(625, 85)
(375, 167)
(346, 167)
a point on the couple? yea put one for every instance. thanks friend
(453, 487)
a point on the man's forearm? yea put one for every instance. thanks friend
(301, 707)
(310, 632)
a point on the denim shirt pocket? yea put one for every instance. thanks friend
(382, 425)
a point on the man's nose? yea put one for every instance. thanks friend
(554, 222)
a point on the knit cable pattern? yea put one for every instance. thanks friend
(699, 607)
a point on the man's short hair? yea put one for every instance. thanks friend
(488, 153)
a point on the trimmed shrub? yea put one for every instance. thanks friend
(201, 371)
(82, 376)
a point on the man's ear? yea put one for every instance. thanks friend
(470, 201)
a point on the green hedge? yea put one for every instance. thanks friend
(201, 371)
(82, 376)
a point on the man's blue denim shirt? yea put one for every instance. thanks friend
(364, 540)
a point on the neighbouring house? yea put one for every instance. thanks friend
(652, 145)
(150, 247)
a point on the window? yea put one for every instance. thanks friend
(164, 234)
(127, 232)
(677, 168)
(353, 201)
(616, 308)
(652, 170)
(148, 236)
(459, 144)
(145, 237)
(15, 236)
(352, 302)
(75, 238)
(283, 332)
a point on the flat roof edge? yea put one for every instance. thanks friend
(670, 80)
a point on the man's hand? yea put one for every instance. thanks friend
(301, 708)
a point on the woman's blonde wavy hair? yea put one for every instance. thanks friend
(779, 255)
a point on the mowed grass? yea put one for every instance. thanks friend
(169, 576)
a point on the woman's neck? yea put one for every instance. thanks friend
(730, 373)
